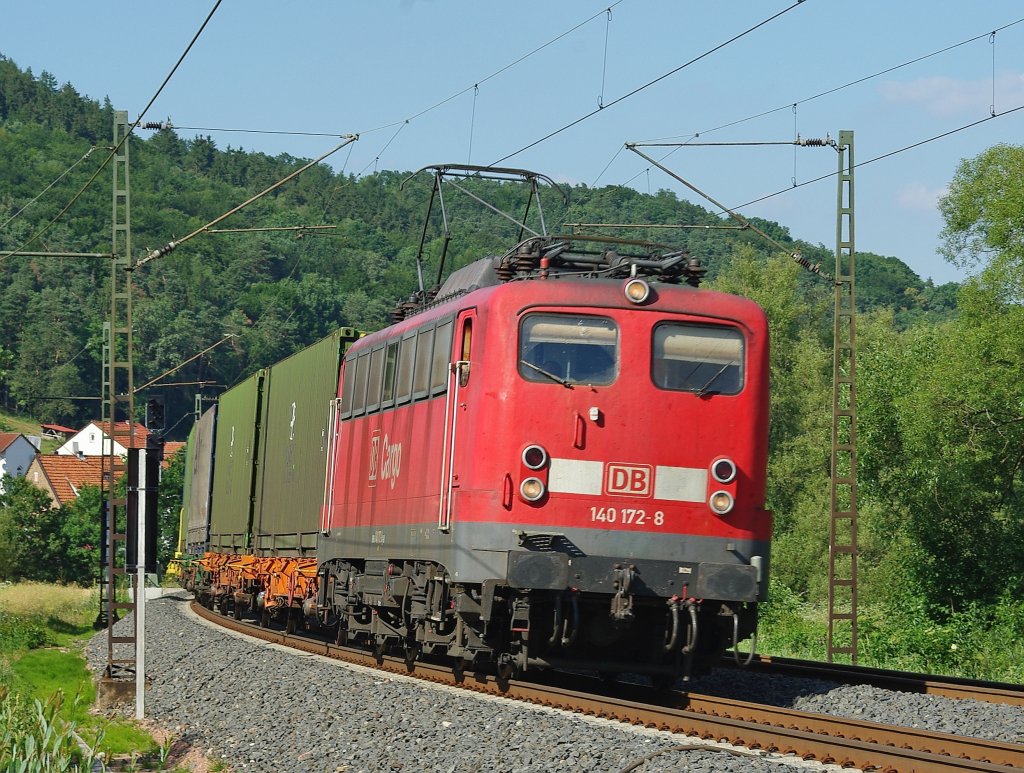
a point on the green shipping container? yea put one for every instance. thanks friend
(186, 493)
(236, 456)
(198, 477)
(292, 469)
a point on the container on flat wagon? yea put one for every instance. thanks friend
(297, 394)
(198, 482)
(236, 457)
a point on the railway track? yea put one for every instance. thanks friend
(829, 739)
(901, 681)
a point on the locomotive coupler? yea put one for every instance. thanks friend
(622, 601)
(521, 617)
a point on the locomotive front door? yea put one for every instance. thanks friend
(458, 381)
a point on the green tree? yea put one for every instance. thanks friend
(982, 208)
(28, 521)
(800, 413)
(942, 408)
(172, 483)
(77, 541)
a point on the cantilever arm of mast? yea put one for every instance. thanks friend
(347, 139)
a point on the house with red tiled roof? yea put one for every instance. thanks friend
(62, 477)
(94, 439)
(171, 447)
(16, 454)
(56, 431)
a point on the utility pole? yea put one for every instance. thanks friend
(842, 543)
(117, 403)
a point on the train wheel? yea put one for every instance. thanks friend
(237, 611)
(265, 619)
(289, 623)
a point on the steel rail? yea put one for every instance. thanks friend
(827, 739)
(899, 681)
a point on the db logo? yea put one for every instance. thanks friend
(630, 480)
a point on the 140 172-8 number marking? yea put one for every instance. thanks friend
(626, 516)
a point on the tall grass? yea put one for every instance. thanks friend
(900, 634)
(34, 739)
(42, 629)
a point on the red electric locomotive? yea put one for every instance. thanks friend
(559, 462)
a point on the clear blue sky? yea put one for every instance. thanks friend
(341, 67)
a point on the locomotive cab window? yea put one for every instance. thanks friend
(568, 349)
(697, 358)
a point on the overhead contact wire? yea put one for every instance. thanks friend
(604, 65)
(825, 93)
(992, 43)
(381, 151)
(472, 125)
(647, 85)
(884, 155)
(499, 71)
(855, 82)
(123, 140)
(60, 177)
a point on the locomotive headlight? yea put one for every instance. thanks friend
(535, 457)
(637, 290)
(531, 489)
(721, 502)
(723, 470)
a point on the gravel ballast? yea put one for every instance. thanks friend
(259, 707)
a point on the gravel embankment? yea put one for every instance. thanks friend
(261, 708)
(992, 721)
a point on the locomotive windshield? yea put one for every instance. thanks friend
(568, 349)
(697, 358)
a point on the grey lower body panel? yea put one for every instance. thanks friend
(590, 560)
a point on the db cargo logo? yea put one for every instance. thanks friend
(385, 460)
(628, 480)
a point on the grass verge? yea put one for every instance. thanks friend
(43, 629)
(975, 643)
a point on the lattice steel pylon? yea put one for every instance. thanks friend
(118, 401)
(842, 544)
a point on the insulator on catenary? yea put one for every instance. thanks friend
(812, 142)
(814, 268)
(156, 125)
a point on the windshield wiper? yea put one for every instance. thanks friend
(703, 391)
(549, 374)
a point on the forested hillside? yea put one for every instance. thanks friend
(941, 404)
(276, 291)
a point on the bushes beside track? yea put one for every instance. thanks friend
(45, 688)
(981, 642)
